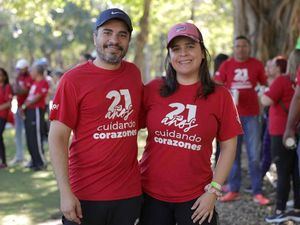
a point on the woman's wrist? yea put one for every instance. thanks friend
(213, 190)
(216, 185)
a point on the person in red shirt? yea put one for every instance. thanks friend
(34, 109)
(99, 101)
(185, 111)
(241, 74)
(21, 89)
(279, 97)
(273, 68)
(5, 104)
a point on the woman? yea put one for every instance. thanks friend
(279, 97)
(5, 104)
(185, 111)
(273, 68)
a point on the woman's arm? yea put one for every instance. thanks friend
(204, 206)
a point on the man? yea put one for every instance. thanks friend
(34, 111)
(20, 89)
(99, 102)
(240, 74)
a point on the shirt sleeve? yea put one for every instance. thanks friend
(275, 91)
(262, 78)
(220, 75)
(8, 93)
(65, 104)
(142, 114)
(229, 124)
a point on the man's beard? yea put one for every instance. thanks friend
(109, 57)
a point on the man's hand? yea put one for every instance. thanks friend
(70, 207)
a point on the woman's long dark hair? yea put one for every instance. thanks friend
(170, 83)
(6, 80)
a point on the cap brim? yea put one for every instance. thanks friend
(183, 35)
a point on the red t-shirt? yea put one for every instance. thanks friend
(101, 107)
(176, 165)
(281, 89)
(5, 96)
(244, 77)
(38, 88)
(24, 81)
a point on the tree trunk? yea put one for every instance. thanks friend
(142, 37)
(271, 25)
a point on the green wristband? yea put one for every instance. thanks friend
(216, 185)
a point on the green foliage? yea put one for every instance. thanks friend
(44, 33)
(38, 28)
(212, 17)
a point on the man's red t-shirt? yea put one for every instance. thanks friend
(243, 77)
(101, 107)
(176, 165)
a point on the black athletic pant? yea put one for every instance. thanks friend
(34, 122)
(286, 162)
(2, 146)
(156, 212)
(117, 212)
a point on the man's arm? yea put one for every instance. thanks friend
(294, 116)
(59, 135)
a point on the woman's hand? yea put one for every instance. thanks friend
(204, 207)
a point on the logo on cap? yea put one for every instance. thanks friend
(181, 28)
(114, 13)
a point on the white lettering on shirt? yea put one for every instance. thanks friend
(174, 118)
(116, 110)
(241, 79)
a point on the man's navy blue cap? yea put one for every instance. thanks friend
(114, 13)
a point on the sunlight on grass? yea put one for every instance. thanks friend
(8, 197)
(32, 198)
(26, 197)
(41, 174)
(16, 220)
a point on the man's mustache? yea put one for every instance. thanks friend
(113, 45)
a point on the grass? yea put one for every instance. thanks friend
(27, 197)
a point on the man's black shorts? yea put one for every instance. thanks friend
(117, 212)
